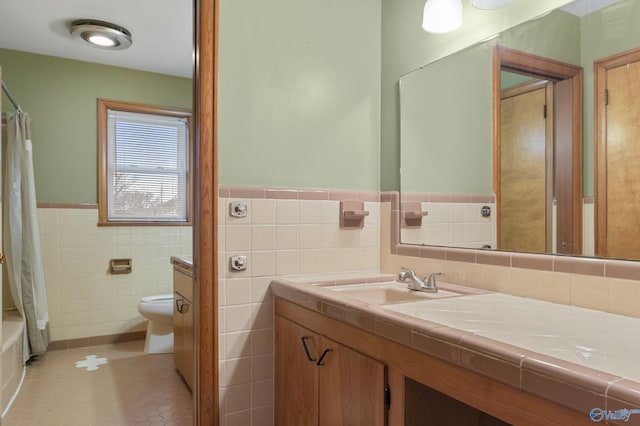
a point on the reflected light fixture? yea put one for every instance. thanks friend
(442, 16)
(490, 4)
(101, 34)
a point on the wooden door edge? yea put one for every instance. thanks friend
(205, 242)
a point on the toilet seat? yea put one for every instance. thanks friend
(157, 299)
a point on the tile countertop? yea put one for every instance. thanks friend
(581, 358)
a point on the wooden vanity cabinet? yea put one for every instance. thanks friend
(321, 382)
(425, 406)
(349, 388)
(183, 330)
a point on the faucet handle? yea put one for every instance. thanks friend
(405, 273)
(432, 278)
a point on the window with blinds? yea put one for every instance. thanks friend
(147, 166)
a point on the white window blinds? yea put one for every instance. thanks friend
(147, 165)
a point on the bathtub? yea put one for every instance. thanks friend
(13, 368)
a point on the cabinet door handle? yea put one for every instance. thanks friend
(185, 308)
(324, 354)
(180, 305)
(306, 349)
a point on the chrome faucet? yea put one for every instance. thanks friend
(419, 284)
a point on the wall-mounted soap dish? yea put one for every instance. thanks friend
(412, 214)
(352, 214)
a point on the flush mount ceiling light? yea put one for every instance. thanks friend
(104, 35)
(442, 16)
(490, 4)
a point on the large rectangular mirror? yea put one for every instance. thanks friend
(464, 184)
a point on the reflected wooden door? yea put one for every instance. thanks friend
(3, 138)
(523, 171)
(622, 111)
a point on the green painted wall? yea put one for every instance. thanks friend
(299, 100)
(509, 79)
(567, 38)
(446, 110)
(60, 96)
(299, 97)
(406, 47)
(446, 125)
(541, 37)
(308, 91)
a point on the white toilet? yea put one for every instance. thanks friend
(159, 311)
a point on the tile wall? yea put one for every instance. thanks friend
(606, 285)
(286, 232)
(456, 223)
(588, 227)
(84, 299)
(293, 232)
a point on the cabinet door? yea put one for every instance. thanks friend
(351, 388)
(296, 375)
(188, 348)
(183, 338)
(178, 334)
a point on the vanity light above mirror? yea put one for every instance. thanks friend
(445, 16)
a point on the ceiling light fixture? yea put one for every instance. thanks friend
(442, 16)
(490, 4)
(104, 35)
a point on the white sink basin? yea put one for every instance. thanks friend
(388, 293)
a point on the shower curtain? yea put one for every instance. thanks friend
(21, 236)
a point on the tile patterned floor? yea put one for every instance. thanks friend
(132, 388)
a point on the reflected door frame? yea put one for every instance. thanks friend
(572, 76)
(601, 67)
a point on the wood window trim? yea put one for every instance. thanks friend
(104, 105)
